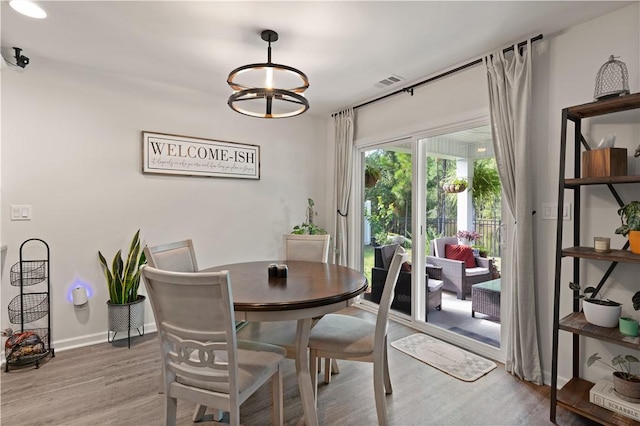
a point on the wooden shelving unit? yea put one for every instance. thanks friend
(574, 396)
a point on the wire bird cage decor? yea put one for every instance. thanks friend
(612, 79)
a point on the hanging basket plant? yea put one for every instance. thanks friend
(371, 175)
(454, 185)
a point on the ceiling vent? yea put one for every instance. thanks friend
(389, 81)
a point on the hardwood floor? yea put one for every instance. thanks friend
(111, 385)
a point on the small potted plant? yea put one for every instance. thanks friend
(600, 312)
(626, 384)
(629, 326)
(126, 306)
(467, 238)
(630, 218)
(308, 227)
(454, 184)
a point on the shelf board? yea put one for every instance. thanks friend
(575, 323)
(624, 256)
(611, 180)
(574, 396)
(607, 106)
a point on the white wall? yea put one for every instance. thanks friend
(565, 67)
(72, 147)
(565, 76)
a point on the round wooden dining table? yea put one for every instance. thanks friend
(310, 289)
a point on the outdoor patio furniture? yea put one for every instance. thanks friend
(402, 297)
(456, 275)
(485, 299)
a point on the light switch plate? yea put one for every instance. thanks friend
(20, 212)
(550, 211)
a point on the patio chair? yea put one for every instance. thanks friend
(460, 269)
(202, 361)
(383, 255)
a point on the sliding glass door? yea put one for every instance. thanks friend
(420, 189)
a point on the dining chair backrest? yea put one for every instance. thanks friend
(195, 314)
(399, 257)
(313, 248)
(178, 256)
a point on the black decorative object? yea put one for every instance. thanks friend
(268, 90)
(33, 342)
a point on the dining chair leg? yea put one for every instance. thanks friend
(334, 366)
(378, 389)
(198, 413)
(234, 416)
(278, 405)
(327, 369)
(387, 378)
(313, 366)
(171, 410)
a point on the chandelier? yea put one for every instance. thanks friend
(268, 90)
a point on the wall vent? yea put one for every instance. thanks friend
(389, 81)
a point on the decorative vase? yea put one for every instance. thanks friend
(603, 313)
(634, 241)
(629, 390)
(628, 326)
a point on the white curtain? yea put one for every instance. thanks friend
(510, 105)
(344, 130)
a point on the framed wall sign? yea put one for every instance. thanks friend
(184, 155)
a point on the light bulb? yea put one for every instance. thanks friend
(269, 79)
(28, 8)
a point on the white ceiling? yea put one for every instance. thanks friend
(345, 47)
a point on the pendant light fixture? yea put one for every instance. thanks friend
(268, 90)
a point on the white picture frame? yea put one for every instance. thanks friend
(168, 154)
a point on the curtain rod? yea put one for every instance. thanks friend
(444, 74)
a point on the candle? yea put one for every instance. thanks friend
(601, 244)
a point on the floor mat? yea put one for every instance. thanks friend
(445, 357)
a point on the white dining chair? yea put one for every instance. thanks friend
(339, 336)
(202, 360)
(178, 256)
(312, 248)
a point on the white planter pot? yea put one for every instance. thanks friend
(601, 315)
(464, 241)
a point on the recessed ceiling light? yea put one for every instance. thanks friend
(28, 8)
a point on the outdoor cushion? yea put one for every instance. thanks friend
(458, 252)
(473, 272)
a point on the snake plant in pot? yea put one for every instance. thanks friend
(126, 306)
(630, 228)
